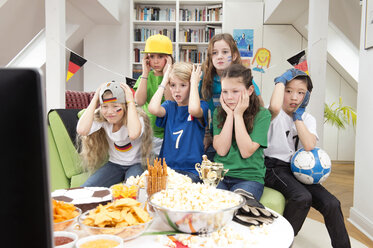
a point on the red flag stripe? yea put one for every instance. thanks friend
(73, 67)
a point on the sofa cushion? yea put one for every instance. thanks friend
(273, 199)
(67, 151)
(57, 173)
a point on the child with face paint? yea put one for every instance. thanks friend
(157, 54)
(240, 132)
(116, 130)
(184, 119)
(222, 51)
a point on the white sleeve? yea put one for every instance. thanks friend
(95, 126)
(310, 123)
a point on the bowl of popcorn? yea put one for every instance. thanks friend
(64, 215)
(196, 209)
(125, 218)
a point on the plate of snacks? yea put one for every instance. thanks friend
(64, 215)
(125, 218)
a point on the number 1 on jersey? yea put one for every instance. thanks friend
(178, 138)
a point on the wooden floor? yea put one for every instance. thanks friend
(341, 184)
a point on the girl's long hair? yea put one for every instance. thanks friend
(94, 148)
(208, 67)
(241, 72)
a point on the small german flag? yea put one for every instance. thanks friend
(113, 99)
(124, 148)
(299, 61)
(75, 63)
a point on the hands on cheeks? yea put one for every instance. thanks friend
(297, 114)
(146, 65)
(243, 103)
(168, 64)
(225, 106)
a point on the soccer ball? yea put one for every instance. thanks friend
(311, 167)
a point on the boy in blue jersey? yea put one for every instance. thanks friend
(184, 120)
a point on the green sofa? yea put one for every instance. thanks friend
(65, 168)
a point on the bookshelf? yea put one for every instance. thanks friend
(190, 24)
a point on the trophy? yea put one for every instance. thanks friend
(211, 173)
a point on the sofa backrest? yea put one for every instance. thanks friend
(63, 123)
(78, 99)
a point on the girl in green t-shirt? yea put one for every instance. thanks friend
(240, 127)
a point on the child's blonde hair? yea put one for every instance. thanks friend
(208, 67)
(94, 147)
(182, 70)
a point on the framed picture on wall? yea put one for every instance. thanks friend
(369, 24)
(244, 39)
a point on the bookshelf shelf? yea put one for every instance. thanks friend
(190, 24)
(156, 23)
(194, 43)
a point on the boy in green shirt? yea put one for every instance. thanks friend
(158, 53)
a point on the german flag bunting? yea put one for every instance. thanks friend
(75, 63)
(299, 61)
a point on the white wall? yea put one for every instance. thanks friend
(246, 15)
(283, 41)
(106, 46)
(361, 214)
(340, 144)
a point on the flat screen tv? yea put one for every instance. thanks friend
(25, 215)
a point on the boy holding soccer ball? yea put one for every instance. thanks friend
(292, 128)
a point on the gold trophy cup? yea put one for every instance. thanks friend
(211, 173)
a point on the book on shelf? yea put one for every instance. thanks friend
(142, 34)
(205, 14)
(136, 73)
(193, 56)
(136, 54)
(149, 13)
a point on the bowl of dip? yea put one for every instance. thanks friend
(102, 240)
(64, 239)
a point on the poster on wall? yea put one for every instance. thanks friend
(261, 59)
(245, 41)
(369, 24)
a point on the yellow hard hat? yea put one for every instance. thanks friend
(158, 44)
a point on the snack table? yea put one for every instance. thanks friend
(278, 234)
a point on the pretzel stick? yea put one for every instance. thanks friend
(154, 180)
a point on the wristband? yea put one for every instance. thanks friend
(145, 78)
(128, 102)
(161, 86)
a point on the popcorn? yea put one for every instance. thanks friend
(174, 179)
(198, 197)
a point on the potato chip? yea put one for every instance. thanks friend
(120, 213)
(126, 202)
(119, 191)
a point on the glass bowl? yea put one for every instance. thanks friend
(197, 221)
(64, 234)
(126, 233)
(63, 225)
